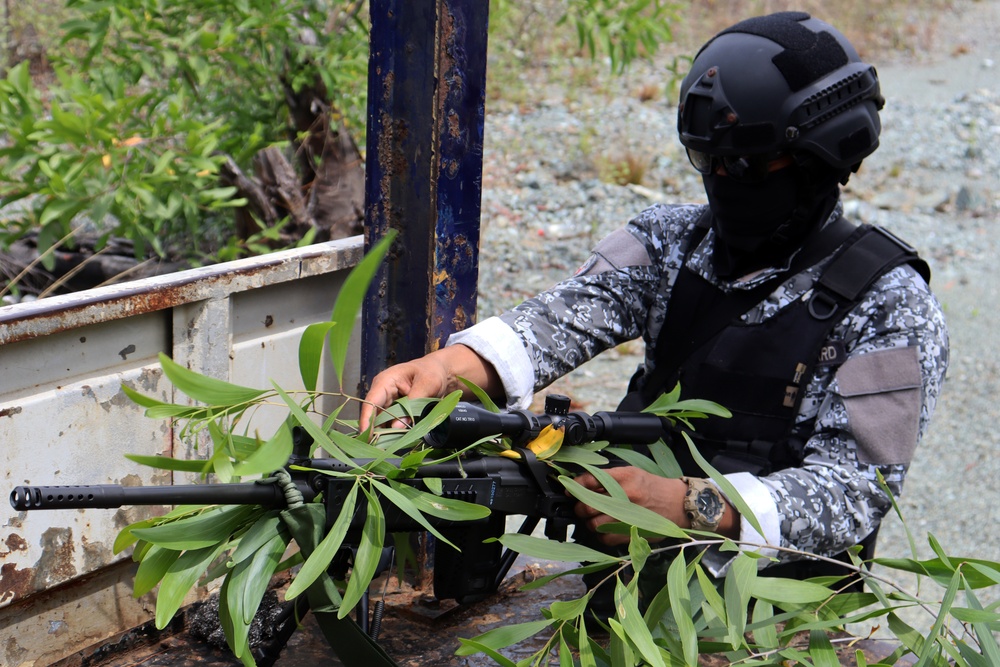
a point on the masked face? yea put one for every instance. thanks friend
(747, 215)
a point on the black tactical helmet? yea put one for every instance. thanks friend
(782, 83)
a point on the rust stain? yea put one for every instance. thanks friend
(15, 583)
(14, 543)
(10, 412)
(56, 564)
(95, 554)
(186, 287)
(461, 320)
(454, 124)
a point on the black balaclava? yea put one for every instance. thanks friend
(758, 225)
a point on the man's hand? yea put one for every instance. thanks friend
(431, 376)
(663, 495)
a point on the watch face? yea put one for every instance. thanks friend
(709, 504)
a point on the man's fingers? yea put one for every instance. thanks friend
(379, 397)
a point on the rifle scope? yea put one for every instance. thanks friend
(469, 423)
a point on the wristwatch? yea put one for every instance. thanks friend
(703, 504)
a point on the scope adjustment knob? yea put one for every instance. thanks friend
(557, 404)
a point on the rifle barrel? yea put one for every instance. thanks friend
(105, 496)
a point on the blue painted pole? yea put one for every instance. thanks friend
(424, 160)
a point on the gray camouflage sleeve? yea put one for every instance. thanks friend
(611, 299)
(869, 418)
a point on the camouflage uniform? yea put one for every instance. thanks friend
(869, 413)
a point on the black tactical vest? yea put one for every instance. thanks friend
(759, 371)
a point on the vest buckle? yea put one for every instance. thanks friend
(822, 306)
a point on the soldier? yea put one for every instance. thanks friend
(823, 338)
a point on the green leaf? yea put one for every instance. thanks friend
(821, 650)
(481, 395)
(228, 623)
(259, 571)
(665, 459)
(579, 456)
(169, 463)
(710, 590)
(635, 629)
(260, 533)
(737, 590)
(206, 389)
(911, 638)
(764, 633)
(587, 658)
(567, 552)
(680, 606)
(434, 484)
(367, 557)
(567, 610)
(694, 407)
(637, 460)
(319, 560)
(624, 510)
(397, 498)
(311, 352)
(443, 508)
(179, 579)
(202, 530)
(337, 444)
(638, 549)
(939, 550)
(472, 646)
(618, 647)
(349, 300)
(270, 456)
(942, 613)
(780, 590)
(504, 636)
(664, 402)
(984, 630)
(565, 654)
(967, 615)
(438, 414)
(979, 573)
(988, 572)
(155, 563)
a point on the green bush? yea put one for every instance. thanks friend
(149, 99)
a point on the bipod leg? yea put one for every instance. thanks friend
(509, 555)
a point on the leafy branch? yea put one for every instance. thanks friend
(670, 608)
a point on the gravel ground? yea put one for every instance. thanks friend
(934, 181)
